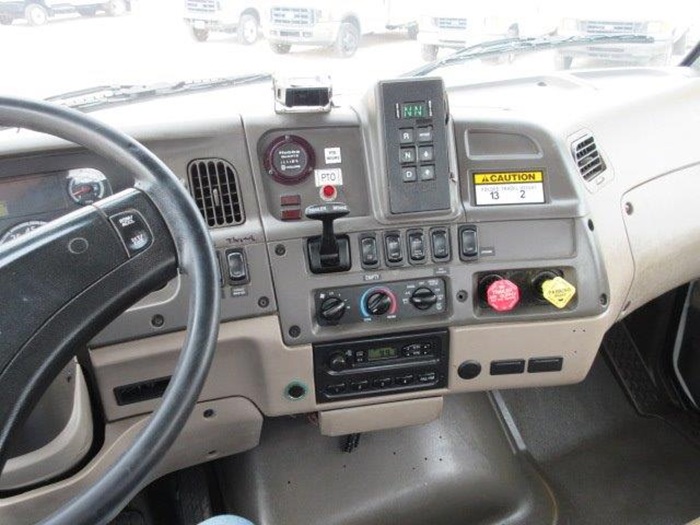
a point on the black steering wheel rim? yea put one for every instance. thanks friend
(196, 259)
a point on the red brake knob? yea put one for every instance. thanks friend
(503, 295)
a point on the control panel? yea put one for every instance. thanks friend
(532, 290)
(385, 302)
(414, 116)
(381, 365)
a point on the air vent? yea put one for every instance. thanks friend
(590, 163)
(213, 186)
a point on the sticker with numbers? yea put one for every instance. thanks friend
(513, 187)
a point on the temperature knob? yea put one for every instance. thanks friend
(378, 303)
(332, 309)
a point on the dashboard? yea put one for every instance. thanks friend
(411, 243)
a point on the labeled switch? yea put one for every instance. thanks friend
(133, 231)
(408, 155)
(425, 134)
(427, 173)
(369, 251)
(406, 136)
(237, 267)
(426, 153)
(440, 241)
(392, 244)
(468, 243)
(408, 174)
(416, 246)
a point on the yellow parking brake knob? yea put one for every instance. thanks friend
(558, 291)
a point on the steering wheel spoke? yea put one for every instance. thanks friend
(63, 282)
(66, 281)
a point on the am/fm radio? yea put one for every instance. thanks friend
(381, 365)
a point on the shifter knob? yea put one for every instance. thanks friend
(327, 213)
(328, 254)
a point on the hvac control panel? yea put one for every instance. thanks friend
(384, 302)
(381, 365)
(414, 114)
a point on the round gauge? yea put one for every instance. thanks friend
(87, 185)
(20, 229)
(289, 159)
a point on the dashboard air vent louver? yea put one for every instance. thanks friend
(214, 188)
(588, 160)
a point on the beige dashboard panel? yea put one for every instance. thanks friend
(252, 361)
(379, 417)
(233, 426)
(663, 226)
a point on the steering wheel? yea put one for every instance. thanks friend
(61, 284)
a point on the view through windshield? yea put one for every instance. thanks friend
(54, 46)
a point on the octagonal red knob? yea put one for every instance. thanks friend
(503, 295)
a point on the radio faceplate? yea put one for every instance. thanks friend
(381, 365)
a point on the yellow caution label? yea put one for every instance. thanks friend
(509, 177)
(558, 291)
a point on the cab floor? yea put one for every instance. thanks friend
(603, 461)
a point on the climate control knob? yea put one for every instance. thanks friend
(332, 309)
(423, 298)
(378, 303)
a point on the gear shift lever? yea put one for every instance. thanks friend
(330, 252)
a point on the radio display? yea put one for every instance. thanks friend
(414, 110)
(384, 352)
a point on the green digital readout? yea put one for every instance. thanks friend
(384, 352)
(414, 110)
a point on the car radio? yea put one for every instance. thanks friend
(381, 365)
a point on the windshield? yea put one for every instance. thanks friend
(52, 47)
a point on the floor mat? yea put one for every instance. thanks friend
(606, 463)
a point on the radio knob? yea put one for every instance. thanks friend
(332, 309)
(423, 298)
(378, 303)
(337, 362)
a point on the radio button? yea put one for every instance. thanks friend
(336, 389)
(405, 380)
(427, 377)
(360, 356)
(360, 386)
(382, 382)
(412, 350)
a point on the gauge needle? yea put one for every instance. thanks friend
(82, 191)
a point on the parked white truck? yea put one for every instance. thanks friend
(455, 25)
(660, 21)
(335, 23)
(227, 16)
(38, 12)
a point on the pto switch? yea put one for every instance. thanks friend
(503, 295)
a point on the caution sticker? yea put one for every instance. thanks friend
(510, 187)
(558, 291)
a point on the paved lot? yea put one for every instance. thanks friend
(153, 44)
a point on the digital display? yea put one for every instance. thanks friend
(414, 110)
(32, 195)
(384, 352)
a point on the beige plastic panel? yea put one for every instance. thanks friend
(380, 417)
(664, 233)
(253, 362)
(576, 341)
(235, 427)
